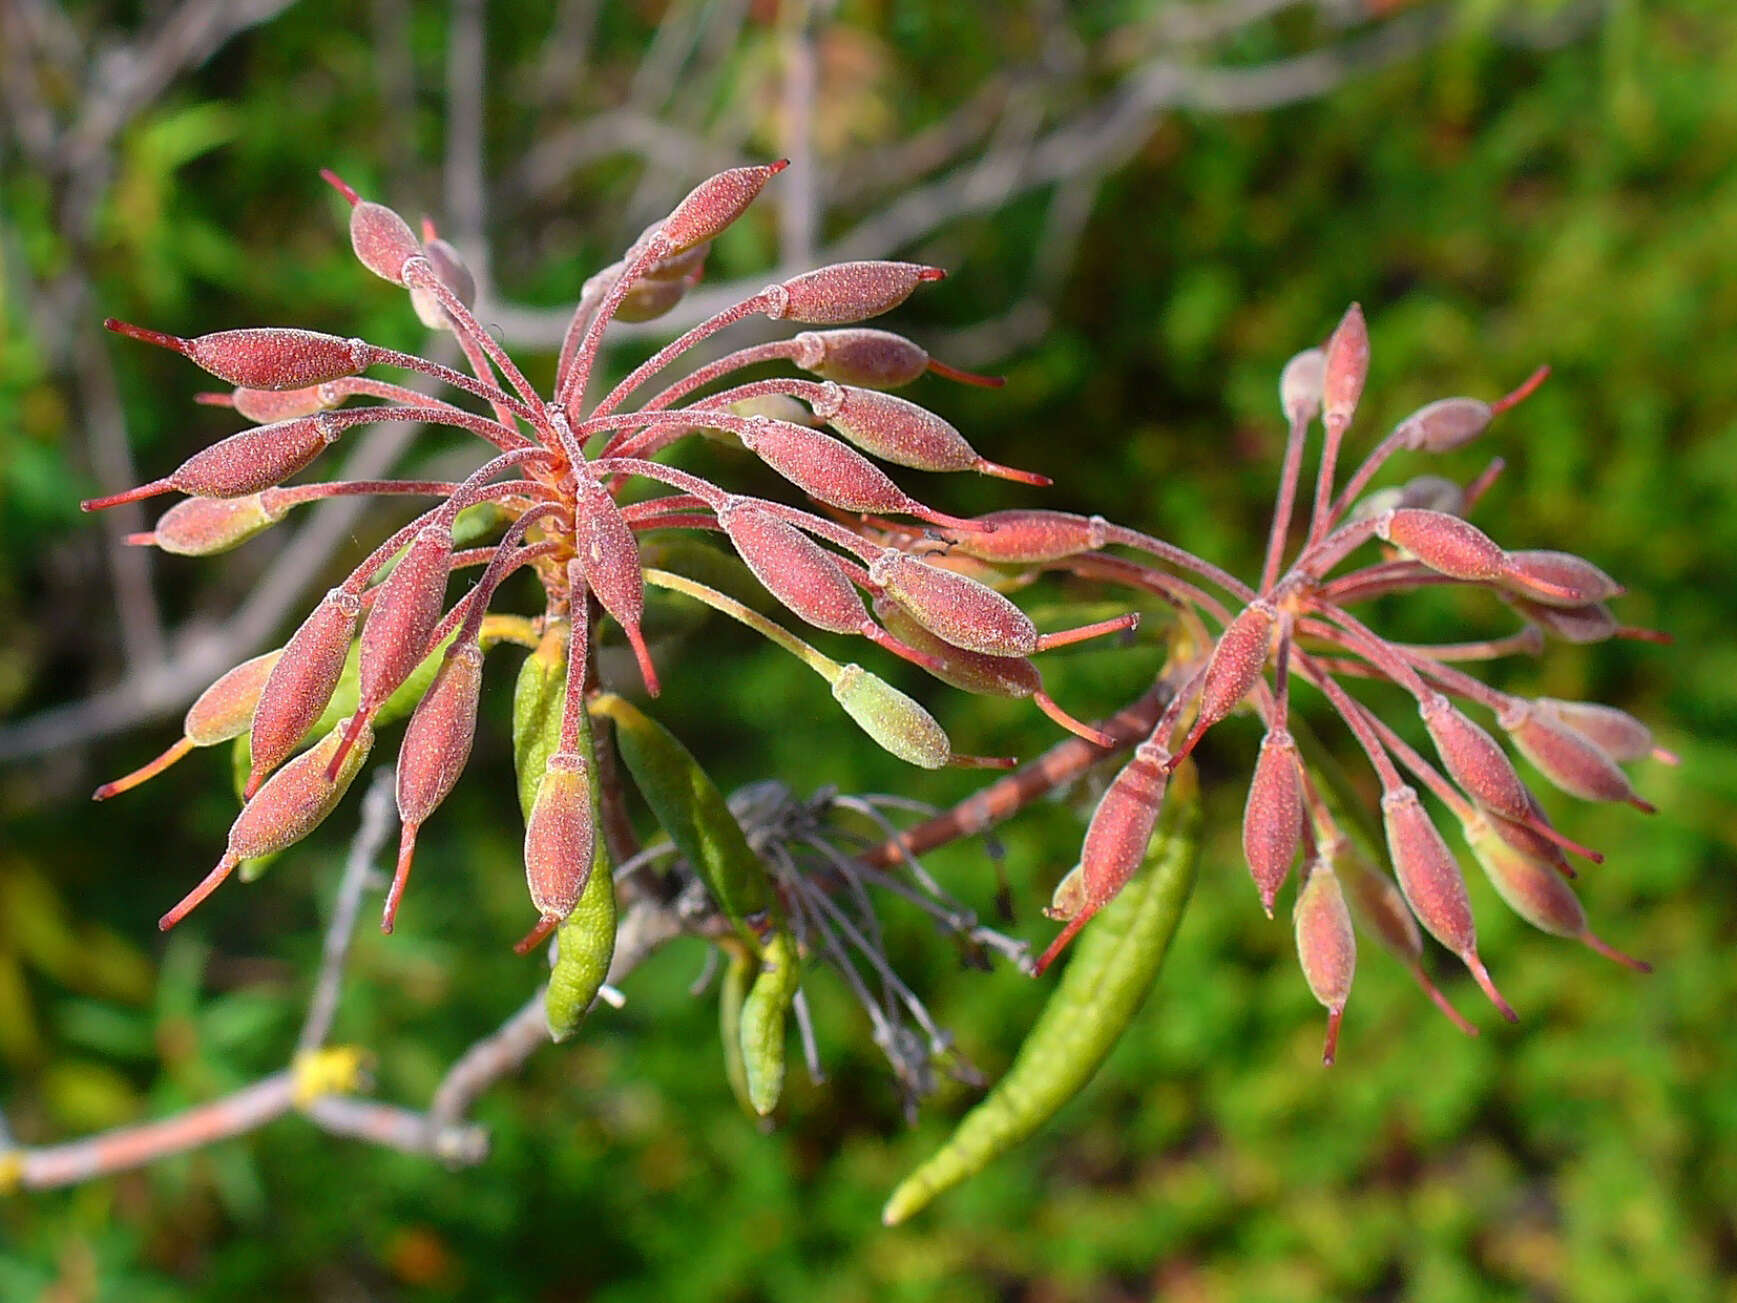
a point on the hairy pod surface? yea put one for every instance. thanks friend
(893, 720)
(1446, 544)
(1345, 368)
(302, 682)
(1272, 820)
(878, 359)
(1474, 759)
(1300, 386)
(207, 526)
(795, 569)
(560, 836)
(1446, 424)
(1326, 946)
(1569, 759)
(1029, 537)
(1558, 579)
(848, 292)
(1427, 872)
(714, 204)
(953, 607)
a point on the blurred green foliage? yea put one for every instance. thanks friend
(1492, 203)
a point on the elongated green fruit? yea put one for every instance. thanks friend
(539, 697)
(739, 974)
(691, 809)
(765, 1014)
(585, 944)
(1113, 967)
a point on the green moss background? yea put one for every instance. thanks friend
(1493, 203)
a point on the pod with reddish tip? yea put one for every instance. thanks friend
(1345, 368)
(794, 568)
(266, 406)
(301, 682)
(1474, 759)
(1617, 733)
(896, 723)
(406, 608)
(1326, 946)
(608, 556)
(262, 357)
(861, 356)
(1272, 819)
(953, 607)
(1569, 759)
(904, 433)
(848, 292)
(1444, 425)
(289, 807)
(1235, 666)
(433, 754)
(1300, 386)
(1579, 624)
(714, 203)
(1557, 579)
(383, 240)
(826, 469)
(1446, 544)
(1029, 537)
(243, 463)
(560, 836)
(451, 271)
(207, 526)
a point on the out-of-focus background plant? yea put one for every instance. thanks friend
(1146, 209)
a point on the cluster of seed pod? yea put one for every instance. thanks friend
(1298, 623)
(558, 469)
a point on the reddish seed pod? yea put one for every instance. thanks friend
(1326, 946)
(1430, 492)
(1235, 666)
(207, 526)
(1446, 544)
(1617, 733)
(1569, 759)
(450, 268)
(714, 203)
(608, 556)
(1433, 887)
(1525, 838)
(436, 747)
(1121, 827)
(262, 357)
(648, 299)
(408, 605)
(848, 292)
(794, 568)
(289, 807)
(863, 356)
(266, 406)
(1272, 820)
(1020, 537)
(383, 240)
(1557, 579)
(1300, 386)
(301, 683)
(898, 430)
(1536, 892)
(1579, 624)
(1445, 424)
(560, 836)
(954, 608)
(1345, 368)
(1378, 904)
(829, 472)
(1474, 759)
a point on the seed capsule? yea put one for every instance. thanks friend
(207, 526)
(1326, 947)
(1445, 424)
(794, 568)
(1021, 537)
(261, 357)
(450, 268)
(1432, 884)
(1345, 369)
(1617, 733)
(1446, 544)
(876, 358)
(608, 556)
(560, 837)
(893, 720)
(1557, 579)
(301, 683)
(1569, 759)
(434, 752)
(1474, 759)
(240, 465)
(829, 472)
(714, 203)
(290, 806)
(898, 430)
(1300, 386)
(1580, 624)
(959, 610)
(265, 406)
(1272, 821)
(847, 292)
(382, 240)
(1237, 660)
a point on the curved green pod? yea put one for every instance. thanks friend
(765, 1015)
(1113, 967)
(740, 970)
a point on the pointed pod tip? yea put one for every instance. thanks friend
(545, 925)
(983, 466)
(1487, 984)
(777, 166)
(932, 274)
(138, 494)
(338, 183)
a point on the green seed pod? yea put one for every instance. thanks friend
(892, 719)
(691, 809)
(1105, 982)
(539, 697)
(739, 974)
(765, 1014)
(584, 945)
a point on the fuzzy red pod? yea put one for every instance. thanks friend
(1580, 624)
(1029, 537)
(1616, 732)
(1446, 424)
(1272, 821)
(382, 240)
(714, 204)
(301, 682)
(902, 432)
(1116, 840)
(878, 359)
(1326, 947)
(954, 608)
(266, 406)
(845, 293)
(829, 472)
(1345, 368)
(262, 357)
(1300, 385)
(1433, 886)
(608, 557)
(1446, 544)
(1238, 659)
(243, 464)
(294, 802)
(450, 269)
(560, 836)
(1569, 759)
(1557, 579)
(436, 747)
(795, 569)
(1474, 759)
